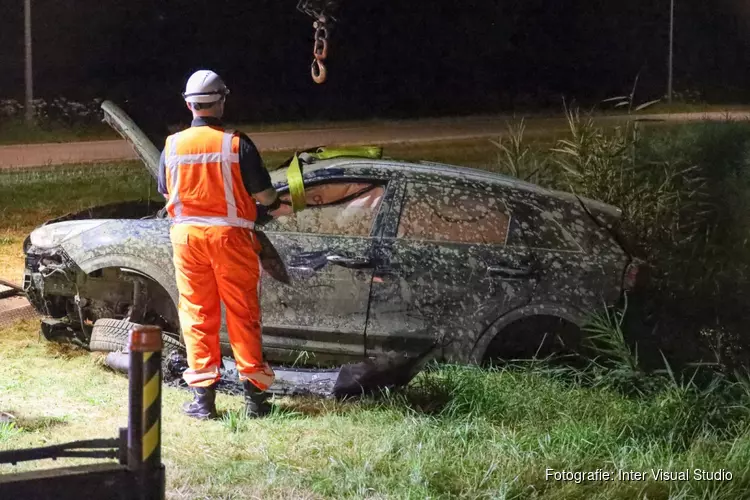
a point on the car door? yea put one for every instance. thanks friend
(319, 316)
(445, 271)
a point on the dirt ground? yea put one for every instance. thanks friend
(385, 133)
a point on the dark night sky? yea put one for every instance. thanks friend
(387, 58)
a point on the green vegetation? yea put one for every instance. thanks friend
(684, 191)
(455, 432)
(33, 196)
(15, 131)
(693, 107)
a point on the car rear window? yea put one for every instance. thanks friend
(333, 208)
(535, 227)
(458, 215)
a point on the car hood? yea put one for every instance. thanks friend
(126, 127)
(49, 236)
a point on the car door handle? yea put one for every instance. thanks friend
(350, 262)
(511, 271)
(308, 261)
(305, 269)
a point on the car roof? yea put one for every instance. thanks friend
(343, 167)
(348, 166)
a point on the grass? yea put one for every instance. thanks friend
(16, 131)
(698, 107)
(477, 153)
(30, 197)
(455, 432)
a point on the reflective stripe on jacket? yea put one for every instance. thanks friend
(204, 180)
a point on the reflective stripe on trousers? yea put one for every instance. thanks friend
(262, 379)
(201, 376)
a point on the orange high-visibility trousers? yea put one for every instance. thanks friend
(217, 264)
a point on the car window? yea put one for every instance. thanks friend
(441, 213)
(336, 208)
(537, 228)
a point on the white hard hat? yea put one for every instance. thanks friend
(205, 86)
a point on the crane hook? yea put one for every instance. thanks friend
(320, 50)
(321, 11)
(318, 71)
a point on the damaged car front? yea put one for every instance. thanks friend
(77, 271)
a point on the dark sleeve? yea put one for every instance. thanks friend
(161, 179)
(254, 175)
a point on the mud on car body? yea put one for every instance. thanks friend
(387, 258)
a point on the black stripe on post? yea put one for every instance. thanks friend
(152, 409)
(144, 433)
(135, 411)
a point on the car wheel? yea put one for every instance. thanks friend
(110, 335)
(535, 337)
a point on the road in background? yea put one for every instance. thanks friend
(31, 155)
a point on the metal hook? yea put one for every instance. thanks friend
(321, 32)
(318, 71)
(320, 49)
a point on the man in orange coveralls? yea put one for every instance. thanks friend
(212, 178)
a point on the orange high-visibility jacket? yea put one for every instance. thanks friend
(203, 179)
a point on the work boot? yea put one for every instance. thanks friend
(203, 406)
(256, 401)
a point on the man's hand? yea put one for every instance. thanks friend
(266, 197)
(285, 208)
(265, 215)
(270, 206)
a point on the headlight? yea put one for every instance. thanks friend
(55, 234)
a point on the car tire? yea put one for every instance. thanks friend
(110, 335)
(536, 337)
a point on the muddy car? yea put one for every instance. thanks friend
(387, 258)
